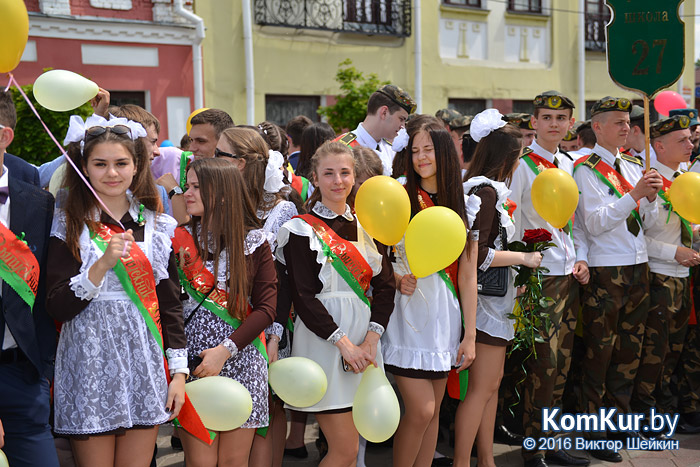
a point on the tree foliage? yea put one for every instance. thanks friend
(351, 107)
(31, 141)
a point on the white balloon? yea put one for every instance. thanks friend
(298, 381)
(62, 90)
(222, 403)
(3, 460)
(375, 409)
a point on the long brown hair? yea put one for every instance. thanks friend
(496, 154)
(247, 143)
(81, 204)
(228, 217)
(328, 148)
(450, 192)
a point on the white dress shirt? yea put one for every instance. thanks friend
(560, 258)
(602, 216)
(8, 342)
(382, 148)
(664, 237)
(584, 151)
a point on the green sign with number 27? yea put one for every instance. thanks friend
(646, 44)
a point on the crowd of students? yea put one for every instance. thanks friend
(159, 265)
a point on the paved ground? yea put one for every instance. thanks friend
(688, 454)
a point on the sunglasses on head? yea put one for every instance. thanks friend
(219, 153)
(95, 131)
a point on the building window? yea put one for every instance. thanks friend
(281, 109)
(525, 6)
(467, 106)
(472, 3)
(597, 16)
(523, 106)
(120, 98)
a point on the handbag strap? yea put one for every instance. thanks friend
(501, 229)
(189, 318)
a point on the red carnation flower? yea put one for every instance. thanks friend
(533, 236)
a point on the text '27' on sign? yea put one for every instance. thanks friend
(646, 44)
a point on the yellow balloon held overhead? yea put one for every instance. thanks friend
(554, 196)
(684, 195)
(434, 239)
(14, 24)
(383, 209)
(62, 90)
(189, 119)
(375, 409)
(222, 403)
(298, 381)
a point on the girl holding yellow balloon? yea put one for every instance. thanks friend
(227, 269)
(332, 262)
(423, 339)
(495, 158)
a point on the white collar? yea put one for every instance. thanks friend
(607, 156)
(327, 213)
(4, 178)
(665, 171)
(542, 152)
(364, 138)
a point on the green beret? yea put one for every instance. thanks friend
(664, 127)
(463, 121)
(399, 96)
(637, 113)
(611, 104)
(447, 115)
(692, 114)
(553, 100)
(521, 120)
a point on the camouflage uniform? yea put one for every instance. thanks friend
(615, 309)
(688, 370)
(546, 373)
(663, 341)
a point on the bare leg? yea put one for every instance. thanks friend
(484, 437)
(279, 433)
(297, 429)
(197, 452)
(427, 448)
(342, 437)
(135, 447)
(484, 378)
(234, 447)
(97, 451)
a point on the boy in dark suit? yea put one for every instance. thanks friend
(27, 335)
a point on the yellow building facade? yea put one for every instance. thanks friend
(473, 53)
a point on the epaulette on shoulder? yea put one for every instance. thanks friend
(591, 160)
(632, 159)
(526, 151)
(348, 138)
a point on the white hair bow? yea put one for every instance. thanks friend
(77, 128)
(400, 141)
(274, 173)
(484, 123)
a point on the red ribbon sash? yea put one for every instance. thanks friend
(345, 251)
(18, 266)
(140, 274)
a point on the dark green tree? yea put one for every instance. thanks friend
(351, 107)
(31, 142)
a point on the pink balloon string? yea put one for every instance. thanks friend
(63, 151)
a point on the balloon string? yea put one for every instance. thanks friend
(66, 157)
(427, 307)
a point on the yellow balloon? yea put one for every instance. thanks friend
(63, 90)
(554, 196)
(375, 409)
(14, 24)
(434, 239)
(3, 460)
(383, 209)
(298, 381)
(189, 119)
(684, 195)
(222, 403)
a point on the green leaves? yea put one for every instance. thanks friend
(351, 106)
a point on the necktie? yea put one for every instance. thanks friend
(632, 224)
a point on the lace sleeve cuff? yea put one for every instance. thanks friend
(336, 336)
(230, 346)
(275, 329)
(177, 361)
(489, 259)
(376, 327)
(83, 288)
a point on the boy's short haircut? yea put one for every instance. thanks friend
(8, 114)
(295, 127)
(137, 114)
(217, 118)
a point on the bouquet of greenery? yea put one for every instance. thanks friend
(531, 321)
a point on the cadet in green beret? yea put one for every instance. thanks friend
(692, 114)
(387, 111)
(617, 201)
(570, 143)
(669, 243)
(546, 375)
(635, 145)
(524, 122)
